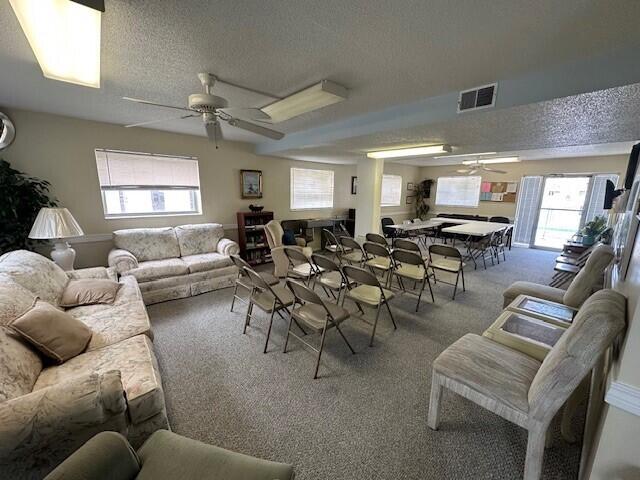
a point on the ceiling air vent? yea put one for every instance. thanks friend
(477, 98)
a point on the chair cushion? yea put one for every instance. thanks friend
(369, 294)
(489, 368)
(206, 261)
(20, 366)
(155, 269)
(168, 455)
(38, 274)
(315, 315)
(136, 362)
(199, 238)
(264, 300)
(148, 243)
(89, 291)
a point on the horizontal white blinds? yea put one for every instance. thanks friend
(123, 169)
(596, 199)
(458, 191)
(527, 209)
(391, 193)
(311, 188)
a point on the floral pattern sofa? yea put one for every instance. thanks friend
(175, 262)
(48, 411)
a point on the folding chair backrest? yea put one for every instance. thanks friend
(407, 256)
(404, 244)
(241, 264)
(303, 293)
(350, 243)
(344, 230)
(325, 262)
(257, 280)
(360, 275)
(295, 254)
(331, 238)
(375, 249)
(444, 250)
(376, 238)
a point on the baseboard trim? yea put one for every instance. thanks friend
(625, 397)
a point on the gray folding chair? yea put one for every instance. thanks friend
(316, 314)
(332, 245)
(410, 245)
(378, 258)
(269, 299)
(367, 292)
(300, 266)
(411, 266)
(330, 276)
(244, 281)
(449, 259)
(377, 238)
(356, 255)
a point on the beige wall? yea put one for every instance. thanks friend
(61, 150)
(515, 171)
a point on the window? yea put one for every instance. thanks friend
(311, 189)
(458, 191)
(391, 193)
(142, 184)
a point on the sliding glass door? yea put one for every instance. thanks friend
(561, 210)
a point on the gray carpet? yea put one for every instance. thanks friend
(365, 417)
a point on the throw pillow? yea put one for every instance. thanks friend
(55, 333)
(89, 291)
(288, 238)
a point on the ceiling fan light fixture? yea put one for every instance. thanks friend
(312, 98)
(65, 38)
(410, 152)
(466, 155)
(487, 161)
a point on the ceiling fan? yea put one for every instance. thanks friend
(475, 167)
(213, 110)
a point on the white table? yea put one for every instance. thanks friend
(475, 228)
(409, 227)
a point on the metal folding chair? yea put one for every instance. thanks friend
(244, 281)
(300, 266)
(377, 238)
(368, 292)
(378, 258)
(332, 245)
(449, 259)
(316, 314)
(404, 244)
(411, 266)
(356, 255)
(329, 276)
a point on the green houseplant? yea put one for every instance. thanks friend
(423, 192)
(592, 229)
(22, 198)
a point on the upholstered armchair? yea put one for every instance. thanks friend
(581, 287)
(274, 231)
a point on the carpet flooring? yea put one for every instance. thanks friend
(365, 417)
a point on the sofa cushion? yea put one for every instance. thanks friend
(199, 238)
(89, 291)
(36, 273)
(154, 269)
(20, 366)
(206, 261)
(137, 364)
(55, 333)
(148, 243)
(14, 300)
(125, 318)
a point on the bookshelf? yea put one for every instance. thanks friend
(252, 238)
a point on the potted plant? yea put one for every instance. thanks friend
(22, 198)
(592, 229)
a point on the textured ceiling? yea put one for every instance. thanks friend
(386, 53)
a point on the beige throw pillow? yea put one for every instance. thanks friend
(55, 333)
(89, 291)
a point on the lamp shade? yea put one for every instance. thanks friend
(55, 223)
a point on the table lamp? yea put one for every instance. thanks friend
(57, 224)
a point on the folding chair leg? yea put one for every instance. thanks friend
(455, 287)
(286, 340)
(430, 289)
(462, 273)
(395, 327)
(420, 296)
(324, 333)
(248, 317)
(345, 339)
(266, 343)
(233, 299)
(375, 324)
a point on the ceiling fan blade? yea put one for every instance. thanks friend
(181, 117)
(146, 102)
(250, 113)
(472, 171)
(250, 127)
(493, 170)
(214, 132)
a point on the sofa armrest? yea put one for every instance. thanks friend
(544, 292)
(228, 247)
(122, 260)
(107, 456)
(56, 420)
(94, 272)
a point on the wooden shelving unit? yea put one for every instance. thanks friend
(252, 237)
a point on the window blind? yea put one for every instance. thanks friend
(391, 192)
(527, 209)
(125, 169)
(596, 199)
(458, 191)
(311, 189)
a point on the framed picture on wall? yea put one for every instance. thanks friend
(410, 187)
(251, 183)
(409, 199)
(354, 185)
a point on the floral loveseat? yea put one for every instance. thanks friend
(175, 262)
(48, 411)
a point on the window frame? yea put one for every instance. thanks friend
(477, 204)
(395, 177)
(291, 188)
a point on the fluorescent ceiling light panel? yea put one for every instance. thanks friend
(466, 155)
(410, 152)
(317, 96)
(65, 38)
(492, 160)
